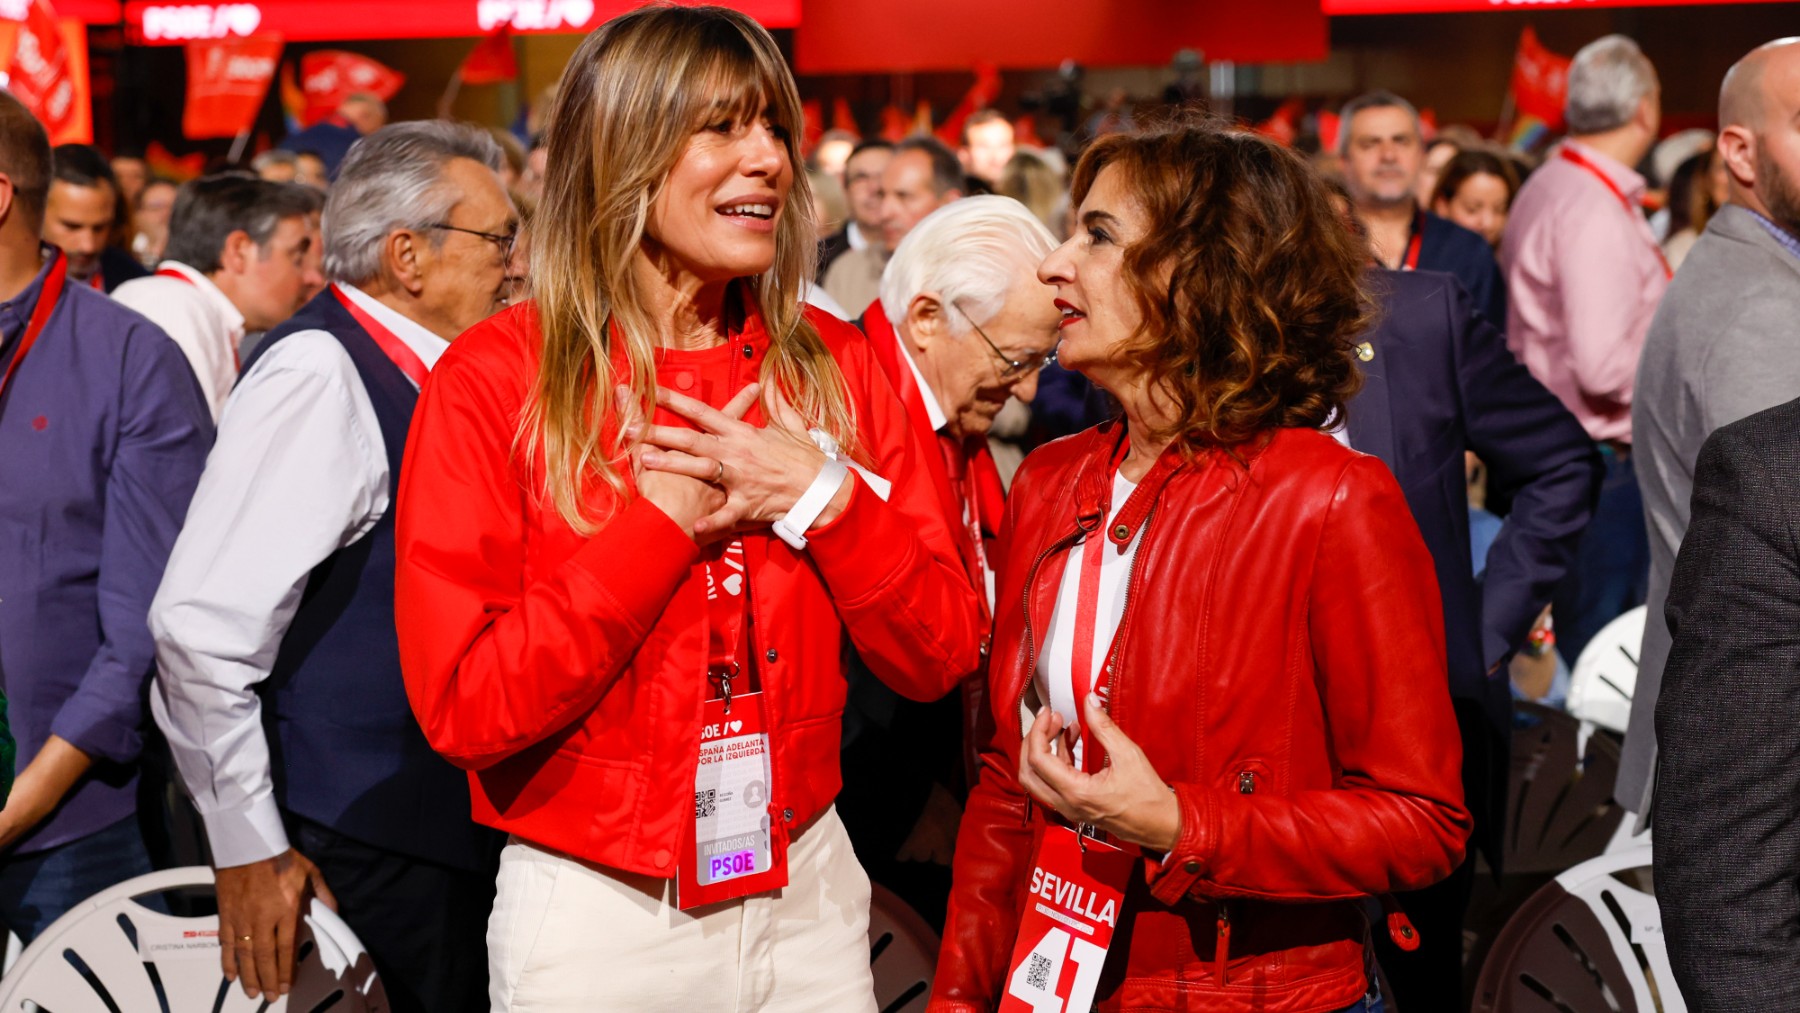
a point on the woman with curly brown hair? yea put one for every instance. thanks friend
(1218, 670)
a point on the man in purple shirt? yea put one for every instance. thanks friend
(1585, 274)
(103, 434)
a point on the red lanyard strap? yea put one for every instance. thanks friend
(40, 314)
(169, 272)
(1411, 261)
(728, 603)
(396, 350)
(1087, 617)
(1576, 158)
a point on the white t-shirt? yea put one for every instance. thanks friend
(1053, 678)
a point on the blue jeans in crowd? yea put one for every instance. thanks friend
(38, 888)
(1371, 1003)
(1611, 572)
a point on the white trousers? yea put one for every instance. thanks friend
(570, 937)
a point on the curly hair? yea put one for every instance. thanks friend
(1249, 281)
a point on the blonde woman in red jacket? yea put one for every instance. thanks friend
(1218, 666)
(641, 520)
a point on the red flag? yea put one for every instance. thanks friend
(894, 124)
(1328, 130)
(1284, 124)
(980, 95)
(180, 168)
(812, 125)
(1540, 81)
(921, 121)
(329, 76)
(40, 74)
(841, 116)
(1025, 133)
(227, 81)
(492, 61)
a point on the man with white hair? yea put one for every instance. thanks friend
(1585, 274)
(279, 686)
(962, 325)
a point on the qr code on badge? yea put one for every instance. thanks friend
(1037, 972)
(706, 803)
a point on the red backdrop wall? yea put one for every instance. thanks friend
(880, 36)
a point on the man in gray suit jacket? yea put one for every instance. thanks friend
(1724, 345)
(1727, 848)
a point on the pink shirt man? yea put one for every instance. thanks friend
(1584, 274)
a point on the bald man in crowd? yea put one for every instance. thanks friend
(1721, 347)
(1726, 788)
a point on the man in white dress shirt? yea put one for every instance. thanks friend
(279, 682)
(240, 259)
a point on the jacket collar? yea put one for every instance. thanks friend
(1093, 484)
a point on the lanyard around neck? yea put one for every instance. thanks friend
(1577, 158)
(40, 315)
(397, 351)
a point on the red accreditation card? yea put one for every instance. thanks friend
(1073, 907)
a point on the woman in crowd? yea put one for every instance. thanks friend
(1445, 146)
(1221, 647)
(1030, 179)
(1697, 190)
(1476, 190)
(629, 563)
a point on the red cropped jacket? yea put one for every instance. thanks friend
(1281, 662)
(567, 673)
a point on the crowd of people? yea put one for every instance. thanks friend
(565, 557)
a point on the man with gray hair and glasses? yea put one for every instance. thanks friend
(1585, 274)
(279, 683)
(963, 324)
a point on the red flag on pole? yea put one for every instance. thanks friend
(227, 81)
(41, 74)
(492, 61)
(1540, 81)
(329, 76)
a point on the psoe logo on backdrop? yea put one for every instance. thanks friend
(534, 15)
(200, 21)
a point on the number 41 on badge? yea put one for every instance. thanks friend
(1076, 893)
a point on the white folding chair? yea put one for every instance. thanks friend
(1604, 677)
(902, 952)
(111, 954)
(1589, 941)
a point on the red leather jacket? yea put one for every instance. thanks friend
(1281, 662)
(567, 673)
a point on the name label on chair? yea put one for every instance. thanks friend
(177, 942)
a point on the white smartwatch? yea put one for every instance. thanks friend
(793, 525)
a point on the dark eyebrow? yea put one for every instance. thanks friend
(1093, 217)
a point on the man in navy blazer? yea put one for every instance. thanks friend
(1437, 381)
